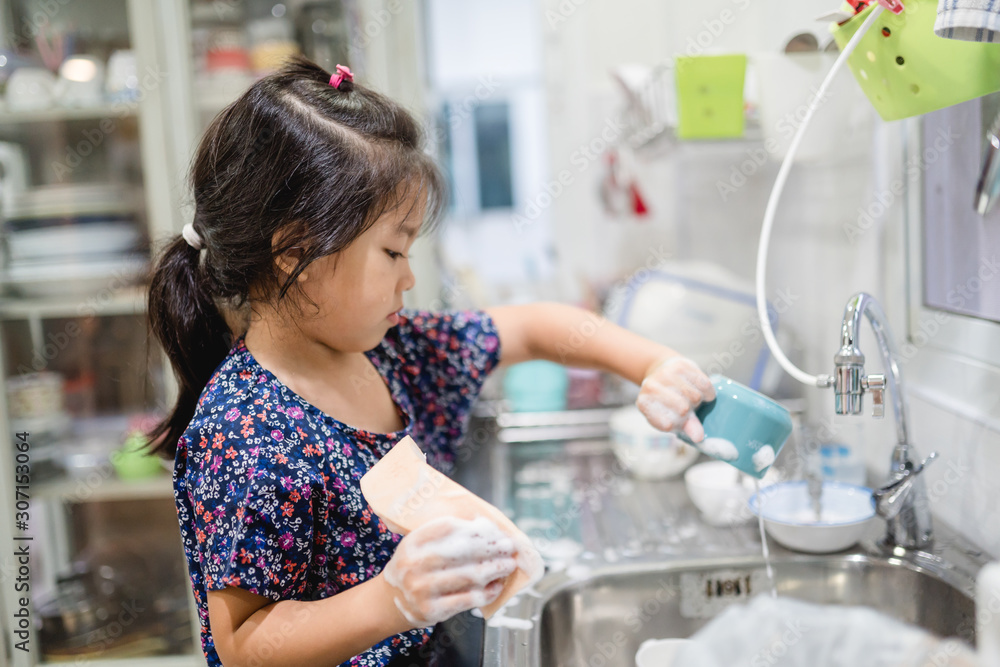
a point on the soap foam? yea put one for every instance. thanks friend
(763, 458)
(720, 448)
(658, 414)
(475, 550)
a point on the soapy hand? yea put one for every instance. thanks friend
(671, 391)
(447, 566)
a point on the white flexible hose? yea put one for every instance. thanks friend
(772, 208)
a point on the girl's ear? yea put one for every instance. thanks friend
(286, 258)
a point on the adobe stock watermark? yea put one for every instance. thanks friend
(581, 159)
(57, 341)
(914, 166)
(756, 158)
(461, 111)
(713, 28)
(34, 22)
(751, 332)
(959, 296)
(92, 138)
(610, 650)
(779, 646)
(373, 26)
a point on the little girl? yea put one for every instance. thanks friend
(280, 308)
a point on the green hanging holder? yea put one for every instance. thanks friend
(906, 70)
(710, 96)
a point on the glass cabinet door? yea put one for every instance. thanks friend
(86, 191)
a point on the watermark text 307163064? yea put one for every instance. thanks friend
(21, 625)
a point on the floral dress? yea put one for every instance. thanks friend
(267, 485)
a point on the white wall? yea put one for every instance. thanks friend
(820, 253)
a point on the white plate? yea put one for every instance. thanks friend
(51, 201)
(74, 278)
(68, 241)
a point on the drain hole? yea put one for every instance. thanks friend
(899, 60)
(871, 56)
(915, 89)
(864, 74)
(886, 32)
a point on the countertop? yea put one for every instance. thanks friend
(584, 512)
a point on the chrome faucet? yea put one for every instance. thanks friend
(903, 500)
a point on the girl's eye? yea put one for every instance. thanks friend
(393, 254)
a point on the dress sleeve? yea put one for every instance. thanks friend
(448, 358)
(458, 349)
(254, 524)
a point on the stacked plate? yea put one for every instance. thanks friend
(71, 239)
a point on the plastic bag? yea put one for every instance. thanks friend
(782, 632)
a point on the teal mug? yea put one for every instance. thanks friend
(743, 427)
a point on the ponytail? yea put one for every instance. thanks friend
(185, 320)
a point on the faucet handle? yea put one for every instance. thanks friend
(876, 385)
(889, 498)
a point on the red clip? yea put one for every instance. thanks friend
(894, 6)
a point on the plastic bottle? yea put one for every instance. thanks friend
(840, 462)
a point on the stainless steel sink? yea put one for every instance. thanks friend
(612, 613)
(648, 566)
(600, 617)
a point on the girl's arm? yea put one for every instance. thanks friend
(439, 569)
(249, 629)
(671, 384)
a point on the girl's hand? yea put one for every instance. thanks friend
(447, 566)
(671, 391)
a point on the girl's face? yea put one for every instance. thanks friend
(359, 291)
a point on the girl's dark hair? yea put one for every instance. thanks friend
(294, 154)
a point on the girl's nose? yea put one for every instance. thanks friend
(409, 280)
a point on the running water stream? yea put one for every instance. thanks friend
(763, 539)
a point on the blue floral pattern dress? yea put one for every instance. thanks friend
(267, 485)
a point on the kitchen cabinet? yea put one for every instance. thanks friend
(92, 181)
(79, 370)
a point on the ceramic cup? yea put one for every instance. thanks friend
(30, 89)
(743, 427)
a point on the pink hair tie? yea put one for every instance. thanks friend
(343, 72)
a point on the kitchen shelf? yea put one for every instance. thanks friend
(75, 489)
(122, 110)
(156, 661)
(125, 301)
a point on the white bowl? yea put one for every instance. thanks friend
(646, 451)
(721, 491)
(73, 241)
(846, 511)
(658, 652)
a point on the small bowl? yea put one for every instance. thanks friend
(646, 451)
(659, 652)
(846, 512)
(721, 492)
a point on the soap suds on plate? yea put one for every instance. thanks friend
(501, 621)
(763, 458)
(562, 549)
(720, 448)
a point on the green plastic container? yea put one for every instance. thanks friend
(710, 96)
(131, 462)
(907, 70)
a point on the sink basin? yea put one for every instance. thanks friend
(645, 565)
(611, 610)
